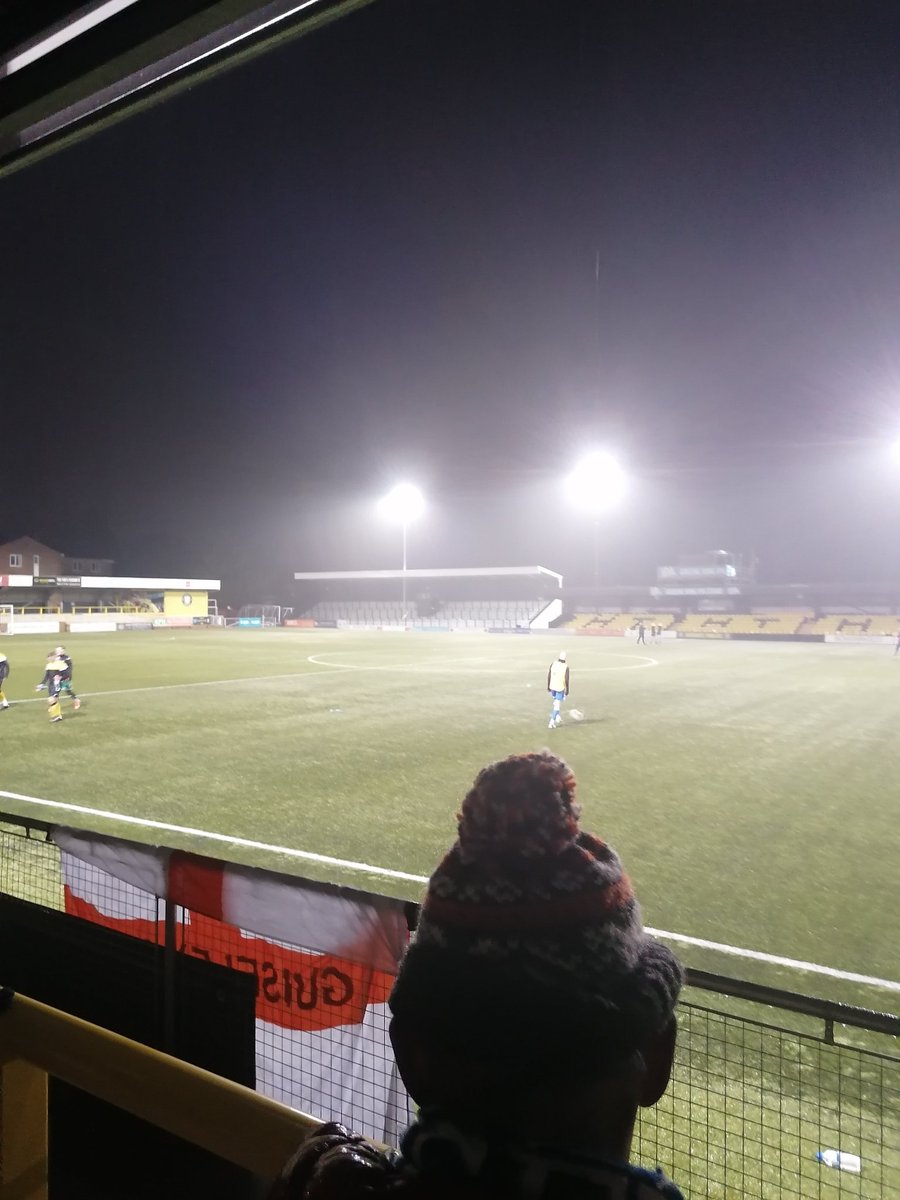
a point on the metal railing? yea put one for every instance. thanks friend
(764, 1080)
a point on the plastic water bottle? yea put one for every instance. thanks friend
(841, 1160)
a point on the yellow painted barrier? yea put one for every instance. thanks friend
(23, 1131)
(239, 1125)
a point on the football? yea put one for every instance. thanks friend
(576, 714)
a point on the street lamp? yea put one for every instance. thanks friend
(595, 485)
(403, 503)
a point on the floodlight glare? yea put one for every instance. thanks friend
(895, 450)
(597, 483)
(403, 503)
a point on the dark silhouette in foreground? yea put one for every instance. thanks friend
(532, 1016)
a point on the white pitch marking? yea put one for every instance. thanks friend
(777, 960)
(316, 659)
(329, 668)
(646, 661)
(387, 873)
(423, 666)
(165, 687)
(448, 666)
(146, 823)
(319, 661)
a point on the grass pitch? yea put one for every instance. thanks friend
(751, 788)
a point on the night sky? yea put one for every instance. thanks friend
(460, 242)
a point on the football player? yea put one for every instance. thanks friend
(53, 683)
(558, 687)
(59, 663)
(66, 684)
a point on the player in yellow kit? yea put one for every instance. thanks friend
(558, 687)
(4, 672)
(56, 679)
(59, 668)
(53, 683)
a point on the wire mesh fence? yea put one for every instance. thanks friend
(757, 1109)
(322, 1041)
(29, 864)
(767, 1088)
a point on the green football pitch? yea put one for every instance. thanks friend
(751, 788)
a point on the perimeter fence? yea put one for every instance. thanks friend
(769, 1086)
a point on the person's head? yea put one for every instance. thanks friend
(532, 988)
(562, 656)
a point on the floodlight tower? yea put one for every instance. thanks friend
(403, 503)
(595, 485)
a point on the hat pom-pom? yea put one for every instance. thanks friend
(523, 806)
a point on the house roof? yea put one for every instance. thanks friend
(27, 540)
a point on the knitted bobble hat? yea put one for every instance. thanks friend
(524, 897)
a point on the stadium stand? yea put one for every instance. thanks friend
(457, 614)
(705, 625)
(618, 622)
(882, 624)
(783, 623)
(741, 624)
(777, 623)
(490, 614)
(856, 624)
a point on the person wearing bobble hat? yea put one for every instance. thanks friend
(532, 1016)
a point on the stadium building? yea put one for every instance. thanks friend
(715, 595)
(43, 590)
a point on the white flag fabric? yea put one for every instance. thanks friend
(324, 959)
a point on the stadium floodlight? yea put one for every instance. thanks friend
(403, 503)
(595, 485)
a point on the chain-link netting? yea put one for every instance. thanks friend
(750, 1108)
(322, 1040)
(29, 865)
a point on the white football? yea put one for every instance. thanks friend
(576, 714)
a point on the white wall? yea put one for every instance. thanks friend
(547, 614)
(35, 624)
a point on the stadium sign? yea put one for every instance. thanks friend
(695, 591)
(722, 571)
(57, 581)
